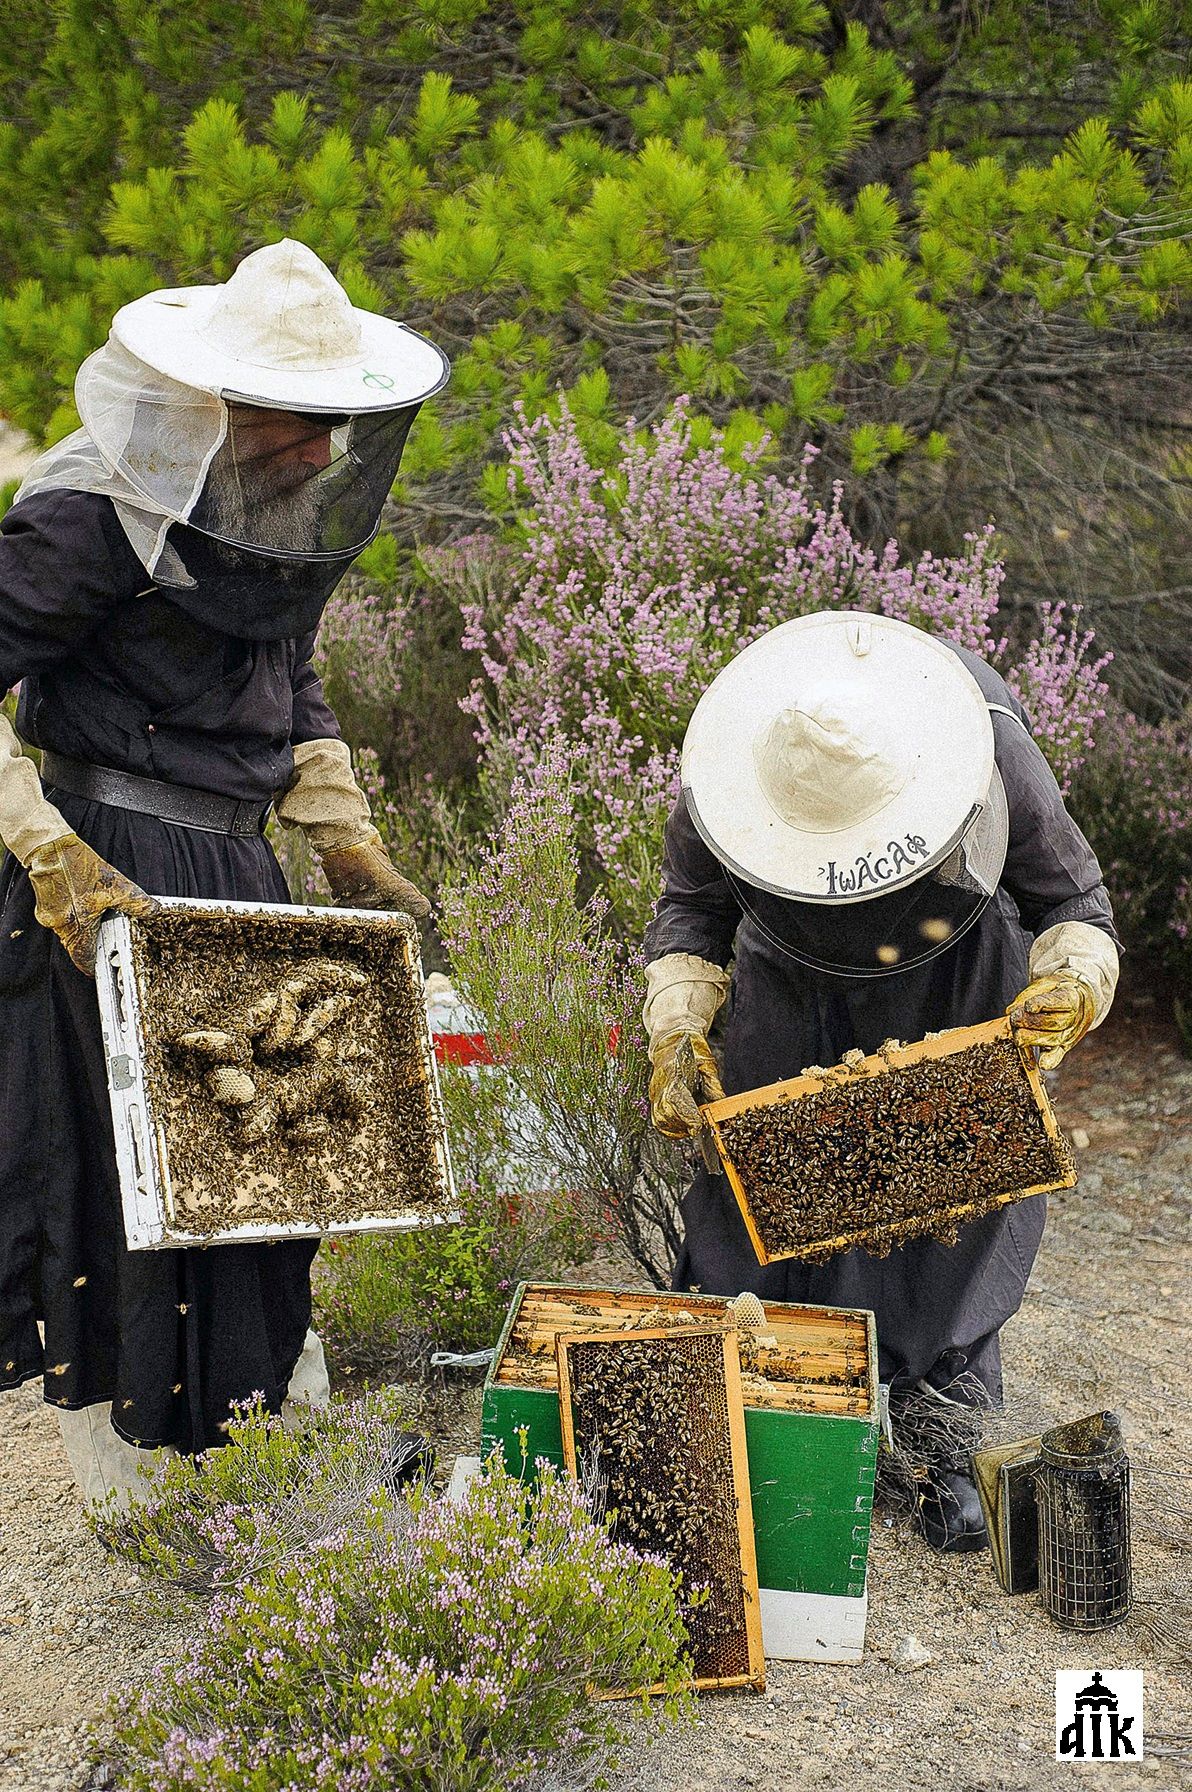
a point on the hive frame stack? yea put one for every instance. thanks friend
(811, 1432)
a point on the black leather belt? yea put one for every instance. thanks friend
(178, 803)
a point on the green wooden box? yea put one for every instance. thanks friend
(811, 1430)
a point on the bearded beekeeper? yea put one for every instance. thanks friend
(868, 827)
(162, 575)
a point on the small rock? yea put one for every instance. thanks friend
(908, 1654)
(1080, 1138)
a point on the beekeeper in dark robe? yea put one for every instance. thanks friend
(162, 575)
(867, 828)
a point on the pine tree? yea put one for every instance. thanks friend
(903, 231)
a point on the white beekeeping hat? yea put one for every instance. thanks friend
(839, 759)
(207, 403)
(282, 332)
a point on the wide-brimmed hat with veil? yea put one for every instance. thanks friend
(179, 387)
(845, 762)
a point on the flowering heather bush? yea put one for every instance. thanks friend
(1134, 800)
(359, 654)
(386, 1300)
(956, 598)
(449, 1648)
(636, 585)
(562, 997)
(1062, 690)
(212, 1521)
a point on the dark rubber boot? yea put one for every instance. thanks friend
(950, 1515)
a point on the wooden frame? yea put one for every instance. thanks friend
(840, 1340)
(811, 1433)
(727, 1334)
(943, 1045)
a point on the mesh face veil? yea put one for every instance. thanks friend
(300, 485)
(855, 933)
(295, 487)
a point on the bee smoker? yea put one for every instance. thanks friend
(1082, 1488)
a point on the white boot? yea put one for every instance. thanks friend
(104, 1465)
(309, 1384)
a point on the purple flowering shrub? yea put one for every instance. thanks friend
(449, 1647)
(1134, 800)
(360, 655)
(385, 1301)
(213, 1521)
(560, 995)
(1058, 681)
(635, 585)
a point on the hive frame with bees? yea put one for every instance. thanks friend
(880, 1233)
(704, 1505)
(810, 1391)
(153, 1215)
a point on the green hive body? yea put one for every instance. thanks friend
(811, 1474)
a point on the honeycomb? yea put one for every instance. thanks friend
(650, 1416)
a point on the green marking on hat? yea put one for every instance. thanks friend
(379, 379)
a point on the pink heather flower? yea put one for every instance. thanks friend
(362, 639)
(632, 587)
(1062, 690)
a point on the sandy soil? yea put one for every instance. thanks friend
(1105, 1323)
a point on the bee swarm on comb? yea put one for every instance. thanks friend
(878, 1159)
(651, 1422)
(284, 1060)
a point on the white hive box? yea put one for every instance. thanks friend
(344, 1129)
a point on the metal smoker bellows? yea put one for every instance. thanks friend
(1083, 1493)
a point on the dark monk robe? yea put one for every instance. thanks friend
(929, 1299)
(185, 686)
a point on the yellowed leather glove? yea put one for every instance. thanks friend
(361, 876)
(325, 801)
(75, 889)
(684, 1075)
(1055, 1013)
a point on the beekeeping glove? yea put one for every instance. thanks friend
(325, 801)
(1074, 972)
(73, 886)
(27, 820)
(75, 889)
(683, 995)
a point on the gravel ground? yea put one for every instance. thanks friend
(1105, 1323)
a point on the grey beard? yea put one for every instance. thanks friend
(244, 508)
